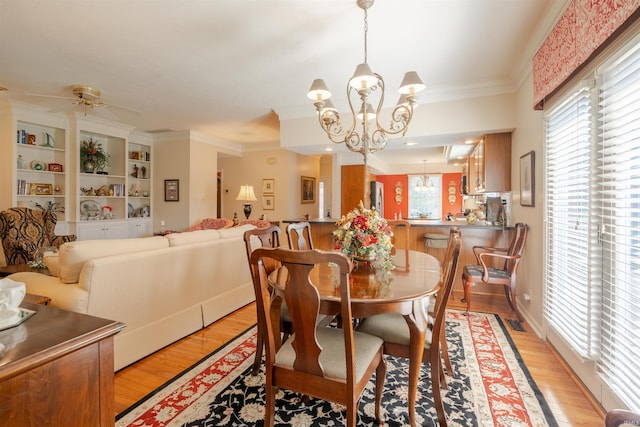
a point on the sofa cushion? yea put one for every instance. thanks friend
(190, 237)
(73, 255)
(238, 231)
(52, 263)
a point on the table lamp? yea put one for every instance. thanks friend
(246, 195)
(470, 206)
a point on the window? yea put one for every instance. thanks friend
(425, 196)
(592, 192)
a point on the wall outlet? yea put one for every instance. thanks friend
(526, 296)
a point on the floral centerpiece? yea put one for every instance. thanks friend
(363, 234)
(92, 156)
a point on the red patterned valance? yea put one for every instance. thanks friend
(583, 28)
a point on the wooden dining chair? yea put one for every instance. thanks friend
(401, 231)
(254, 239)
(484, 272)
(393, 328)
(621, 417)
(299, 236)
(328, 363)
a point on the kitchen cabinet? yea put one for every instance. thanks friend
(489, 165)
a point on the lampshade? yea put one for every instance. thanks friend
(318, 91)
(246, 193)
(363, 78)
(411, 84)
(470, 204)
(370, 113)
(328, 106)
(406, 102)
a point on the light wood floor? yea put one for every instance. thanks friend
(564, 394)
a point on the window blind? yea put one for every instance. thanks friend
(618, 201)
(568, 133)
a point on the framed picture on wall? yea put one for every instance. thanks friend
(268, 186)
(171, 190)
(308, 189)
(268, 202)
(527, 179)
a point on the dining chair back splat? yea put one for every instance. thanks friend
(299, 236)
(483, 272)
(393, 328)
(401, 231)
(256, 238)
(315, 361)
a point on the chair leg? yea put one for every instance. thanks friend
(445, 355)
(270, 403)
(510, 292)
(436, 368)
(381, 373)
(259, 346)
(467, 283)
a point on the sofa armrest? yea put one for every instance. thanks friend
(66, 296)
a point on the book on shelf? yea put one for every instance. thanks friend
(22, 187)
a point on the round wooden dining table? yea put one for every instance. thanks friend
(374, 291)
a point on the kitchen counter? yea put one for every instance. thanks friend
(472, 235)
(435, 223)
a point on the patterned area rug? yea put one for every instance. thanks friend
(491, 387)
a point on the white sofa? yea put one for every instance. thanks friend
(162, 288)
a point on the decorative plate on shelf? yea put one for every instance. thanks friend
(37, 165)
(130, 211)
(90, 208)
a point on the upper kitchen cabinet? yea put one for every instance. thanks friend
(489, 165)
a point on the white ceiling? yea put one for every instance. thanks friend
(229, 68)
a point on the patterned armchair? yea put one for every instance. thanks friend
(23, 231)
(212, 224)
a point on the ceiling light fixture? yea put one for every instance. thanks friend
(424, 184)
(363, 83)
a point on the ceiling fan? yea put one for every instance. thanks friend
(87, 97)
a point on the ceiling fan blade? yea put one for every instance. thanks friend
(122, 109)
(64, 108)
(51, 96)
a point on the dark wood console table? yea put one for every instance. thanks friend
(57, 369)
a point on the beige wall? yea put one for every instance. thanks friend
(171, 161)
(203, 169)
(529, 136)
(284, 166)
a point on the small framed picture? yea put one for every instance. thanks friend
(268, 186)
(41, 189)
(55, 167)
(527, 179)
(268, 202)
(171, 190)
(134, 155)
(308, 189)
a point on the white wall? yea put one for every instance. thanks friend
(528, 136)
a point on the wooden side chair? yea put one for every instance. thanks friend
(328, 363)
(253, 239)
(483, 272)
(299, 236)
(401, 231)
(621, 417)
(393, 328)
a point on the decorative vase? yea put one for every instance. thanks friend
(89, 166)
(364, 261)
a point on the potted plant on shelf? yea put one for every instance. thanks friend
(93, 157)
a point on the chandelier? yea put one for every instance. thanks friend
(424, 183)
(372, 136)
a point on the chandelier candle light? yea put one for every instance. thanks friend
(364, 83)
(246, 195)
